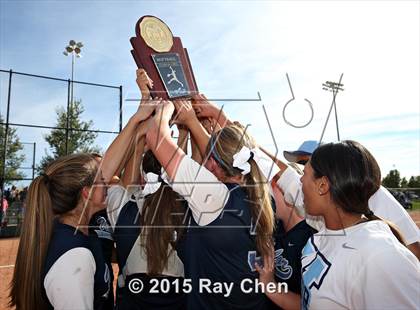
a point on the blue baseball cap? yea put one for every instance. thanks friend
(306, 148)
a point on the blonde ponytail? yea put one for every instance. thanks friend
(261, 210)
(226, 143)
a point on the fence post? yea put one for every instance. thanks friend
(33, 161)
(6, 132)
(121, 102)
(67, 116)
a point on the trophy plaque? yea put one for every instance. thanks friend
(164, 58)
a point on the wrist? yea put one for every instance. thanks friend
(134, 119)
(223, 119)
(145, 95)
(267, 281)
(191, 121)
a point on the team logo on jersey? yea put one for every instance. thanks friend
(313, 272)
(283, 270)
(254, 259)
(104, 230)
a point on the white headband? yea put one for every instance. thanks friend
(241, 160)
(152, 183)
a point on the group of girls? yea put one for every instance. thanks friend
(219, 214)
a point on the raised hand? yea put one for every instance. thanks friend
(144, 127)
(146, 108)
(184, 112)
(144, 82)
(267, 270)
(204, 108)
(164, 111)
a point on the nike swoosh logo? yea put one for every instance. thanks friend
(290, 244)
(345, 246)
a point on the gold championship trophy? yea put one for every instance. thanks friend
(164, 58)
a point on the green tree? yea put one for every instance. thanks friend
(404, 182)
(79, 140)
(414, 182)
(392, 179)
(14, 159)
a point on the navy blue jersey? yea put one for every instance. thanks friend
(288, 252)
(65, 238)
(100, 234)
(126, 232)
(223, 251)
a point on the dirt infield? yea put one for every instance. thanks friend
(8, 250)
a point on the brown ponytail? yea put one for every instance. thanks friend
(162, 220)
(53, 193)
(33, 245)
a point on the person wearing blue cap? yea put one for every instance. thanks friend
(382, 203)
(303, 153)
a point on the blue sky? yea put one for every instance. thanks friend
(237, 49)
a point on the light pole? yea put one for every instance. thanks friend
(333, 87)
(74, 49)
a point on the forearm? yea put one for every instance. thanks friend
(132, 169)
(222, 119)
(126, 158)
(160, 142)
(195, 152)
(200, 135)
(282, 165)
(183, 139)
(117, 150)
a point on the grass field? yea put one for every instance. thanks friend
(416, 205)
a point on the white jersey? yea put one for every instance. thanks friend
(360, 267)
(116, 199)
(136, 262)
(382, 203)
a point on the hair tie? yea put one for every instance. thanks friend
(45, 176)
(370, 213)
(241, 159)
(153, 183)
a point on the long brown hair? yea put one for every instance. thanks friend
(354, 176)
(53, 193)
(162, 220)
(226, 143)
